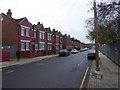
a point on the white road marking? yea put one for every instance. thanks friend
(9, 71)
(81, 61)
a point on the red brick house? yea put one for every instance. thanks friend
(16, 35)
(70, 43)
(67, 42)
(32, 40)
(60, 40)
(24, 39)
(8, 33)
(49, 41)
(39, 40)
(57, 41)
(77, 44)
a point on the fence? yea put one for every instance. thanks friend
(11, 49)
(112, 51)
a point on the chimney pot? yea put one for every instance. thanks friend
(9, 13)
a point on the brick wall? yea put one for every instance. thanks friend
(9, 28)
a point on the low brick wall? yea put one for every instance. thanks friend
(4, 56)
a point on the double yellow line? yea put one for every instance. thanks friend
(83, 80)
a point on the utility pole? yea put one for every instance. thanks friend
(96, 36)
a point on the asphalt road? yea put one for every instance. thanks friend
(56, 72)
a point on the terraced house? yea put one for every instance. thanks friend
(8, 33)
(24, 38)
(49, 41)
(57, 41)
(32, 40)
(39, 40)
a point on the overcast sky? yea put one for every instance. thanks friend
(67, 16)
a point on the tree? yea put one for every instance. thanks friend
(108, 23)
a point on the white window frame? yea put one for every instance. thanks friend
(24, 42)
(27, 46)
(57, 47)
(22, 46)
(61, 39)
(41, 45)
(34, 34)
(27, 32)
(42, 36)
(49, 46)
(48, 36)
(57, 38)
(22, 31)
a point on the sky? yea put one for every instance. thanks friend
(66, 16)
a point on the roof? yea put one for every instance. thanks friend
(19, 20)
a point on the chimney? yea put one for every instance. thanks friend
(38, 23)
(53, 29)
(9, 13)
(69, 36)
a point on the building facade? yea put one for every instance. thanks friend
(9, 31)
(49, 41)
(23, 35)
(38, 40)
(32, 40)
(57, 41)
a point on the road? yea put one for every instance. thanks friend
(56, 72)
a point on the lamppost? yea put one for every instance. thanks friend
(96, 37)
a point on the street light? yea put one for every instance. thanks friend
(96, 37)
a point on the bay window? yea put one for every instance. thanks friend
(41, 45)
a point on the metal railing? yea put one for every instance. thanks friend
(112, 51)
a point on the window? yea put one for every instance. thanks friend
(27, 32)
(41, 35)
(22, 46)
(60, 46)
(22, 31)
(41, 46)
(49, 36)
(27, 45)
(61, 39)
(49, 47)
(34, 34)
(57, 47)
(57, 38)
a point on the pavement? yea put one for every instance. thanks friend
(108, 75)
(13, 61)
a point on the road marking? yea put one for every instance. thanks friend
(81, 61)
(9, 71)
(81, 86)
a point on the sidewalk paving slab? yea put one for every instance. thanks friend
(109, 71)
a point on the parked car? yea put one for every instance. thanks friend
(74, 51)
(64, 52)
(91, 54)
(83, 49)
